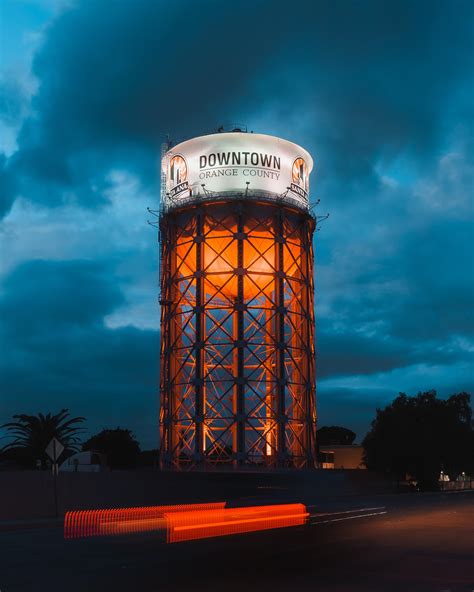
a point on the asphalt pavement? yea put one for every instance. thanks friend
(411, 542)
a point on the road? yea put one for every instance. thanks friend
(411, 542)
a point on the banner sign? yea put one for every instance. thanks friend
(236, 162)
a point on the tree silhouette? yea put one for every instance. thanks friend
(32, 433)
(328, 435)
(119, 445)
(421, 436)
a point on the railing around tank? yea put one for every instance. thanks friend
(169, 204)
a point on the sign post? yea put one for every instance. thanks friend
(54, 450)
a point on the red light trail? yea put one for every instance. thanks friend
(186, 526)
(183, 522)
(107, 522)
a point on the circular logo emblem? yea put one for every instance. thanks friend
(178, 170)
(299, 174)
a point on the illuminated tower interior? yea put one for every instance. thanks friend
(237, 355)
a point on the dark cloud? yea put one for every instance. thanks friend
(57, 296)
(60, 353)
(7, 186)
(351, 353)
(410, 300)
(381, 94)
(13, 101)
(438, 264)
(368, 79)
(114, 82)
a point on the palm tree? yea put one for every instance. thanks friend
(32, 433)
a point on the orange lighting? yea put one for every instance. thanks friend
(187, 526)
(237, 340)
(220, 258)
(106, 522)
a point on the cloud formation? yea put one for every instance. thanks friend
(381, 94)
(61, 354)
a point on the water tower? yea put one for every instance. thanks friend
(237, 316)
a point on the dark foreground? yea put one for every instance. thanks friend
(407, 542)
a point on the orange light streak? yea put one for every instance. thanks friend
(186, 526)
(109, 522)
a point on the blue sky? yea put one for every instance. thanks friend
(381, 94)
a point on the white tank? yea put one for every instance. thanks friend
(235, 164)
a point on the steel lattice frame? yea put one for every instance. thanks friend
(237, 380)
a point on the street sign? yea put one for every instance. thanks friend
(54, 450)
